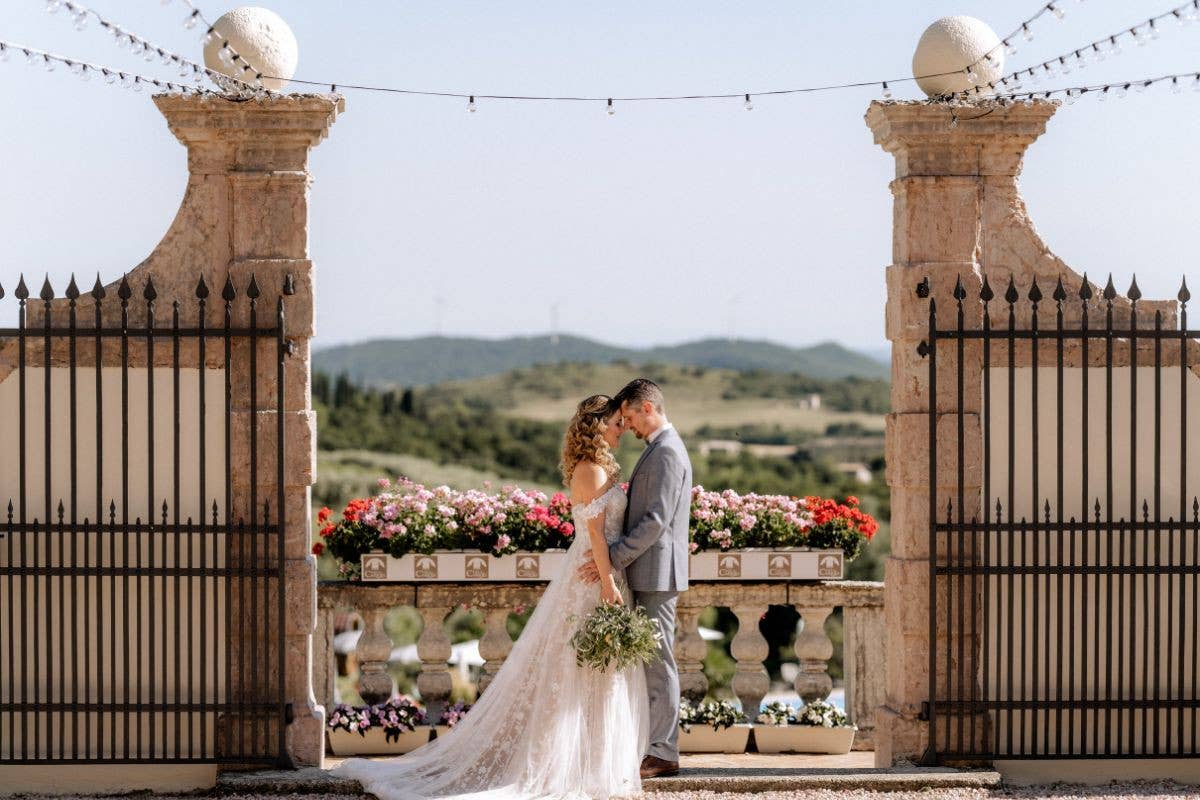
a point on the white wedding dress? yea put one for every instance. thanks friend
(544, 727)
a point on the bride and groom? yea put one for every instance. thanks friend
(546, 727)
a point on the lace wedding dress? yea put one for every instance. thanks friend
(544, 727)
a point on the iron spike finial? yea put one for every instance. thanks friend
(1010, 294)
(123, 291)
(985, 292)
(1145, 509)
(252, 290)
(1035, 292)
(1184, 295)
(960, 293)
(98, 292)
(228, 292)
(202, 289)
(1060, 292)
(22, 292)
(47, 292)
(72, 289)
(1085, 289)
(150, 293)
(1134, 294)
(1110, 291)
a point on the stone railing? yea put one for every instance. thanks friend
(863, 655)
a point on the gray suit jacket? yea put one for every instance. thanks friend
(653, 547)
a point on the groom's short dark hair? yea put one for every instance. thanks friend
(638, 391)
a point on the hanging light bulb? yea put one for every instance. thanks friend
(1180, 18)
(49, 63)
(1175, 87)
(192, 19)
(1034, 77)
(74, 67)
(971, 76)
(1196, 83)
(225, 54)
(137, 84)
(1104, 94)
(887, 93)
(471, 104)
(1097, 53)
(31, 59)
(1140, 88)
(183, 69)
(167, 58)
(1080, 60)
(1121, 91)
(1114, 46)
(126, 80)
(1050, 71)
(1153, 30)
(148, 52)
(52, 6)
(1008, 48)
(85, 74)
(1138, 36)
(1063, 66)
(1025, 32)
(197, 75)
(81, 19)
(1070, 97)
(210, 36)
(750, 106)
(611, 110)
(1056, 11)
(110, 77)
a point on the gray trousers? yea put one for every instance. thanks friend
(662, 677)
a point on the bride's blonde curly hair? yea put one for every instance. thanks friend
(584, 439)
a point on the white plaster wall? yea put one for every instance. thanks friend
(58, 632)
(1157, 611)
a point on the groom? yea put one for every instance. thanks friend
(654, 550)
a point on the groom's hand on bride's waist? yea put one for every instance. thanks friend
(587, 571)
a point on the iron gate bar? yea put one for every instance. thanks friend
(54, 684)
(1051, 714)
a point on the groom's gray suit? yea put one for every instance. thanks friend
(653, 549)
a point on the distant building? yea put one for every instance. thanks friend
(728, 446)
(855, 469)
(811, 402)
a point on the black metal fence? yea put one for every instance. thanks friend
(1064, 600)
(142, 588)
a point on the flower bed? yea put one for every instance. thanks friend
(394, 726)
(818, 728)
(712, 726)
(471, 532)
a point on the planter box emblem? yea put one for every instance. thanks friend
(426, 567)
(730, 566)
(477, 567)
(374, 568)
(780, 566)
(527, 566)
(830, 566)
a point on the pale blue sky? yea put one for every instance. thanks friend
(663, 223)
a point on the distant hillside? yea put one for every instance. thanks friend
(433, 359)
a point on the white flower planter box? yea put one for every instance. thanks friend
(462, 565)
(374, 742)
(765, 563)
(703, 739)
(752, 563)
(803, 739)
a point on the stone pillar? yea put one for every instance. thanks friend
(957, 216)
(244, 216)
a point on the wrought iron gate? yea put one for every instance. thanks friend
(141, 576)
(1065, 546)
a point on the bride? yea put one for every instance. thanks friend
(545, 727)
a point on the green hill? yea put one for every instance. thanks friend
(434, 359)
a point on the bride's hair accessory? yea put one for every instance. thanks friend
(584, 439)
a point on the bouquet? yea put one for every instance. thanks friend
(614, 635)
(717, 713)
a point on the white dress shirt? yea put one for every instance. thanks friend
(660, 429)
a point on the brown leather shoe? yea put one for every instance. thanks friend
(654, 767)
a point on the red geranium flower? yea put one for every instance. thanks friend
(318, 548)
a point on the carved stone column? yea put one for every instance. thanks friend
(690, 650)
(751, 681)
(813, 649)
(957, 215)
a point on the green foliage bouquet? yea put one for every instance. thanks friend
(617, 636)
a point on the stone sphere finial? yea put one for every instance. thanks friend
(261, 38)
(948, 46)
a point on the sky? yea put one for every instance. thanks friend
(660, 224)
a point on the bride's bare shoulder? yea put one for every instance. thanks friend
(587, 481)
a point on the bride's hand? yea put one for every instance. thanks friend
(609, 593)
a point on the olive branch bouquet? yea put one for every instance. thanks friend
(615, 636)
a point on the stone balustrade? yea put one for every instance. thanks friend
(863, 653)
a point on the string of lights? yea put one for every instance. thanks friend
(1054, 8)
(139, 45)
(1141, 33)
(86, 70)
(1117, 89)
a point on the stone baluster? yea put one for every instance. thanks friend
(749, 648)
(324, 659)
(433, 648)
(690, 650)
(373, 652)
(495, 645)
(866, 674)
(813, 649)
